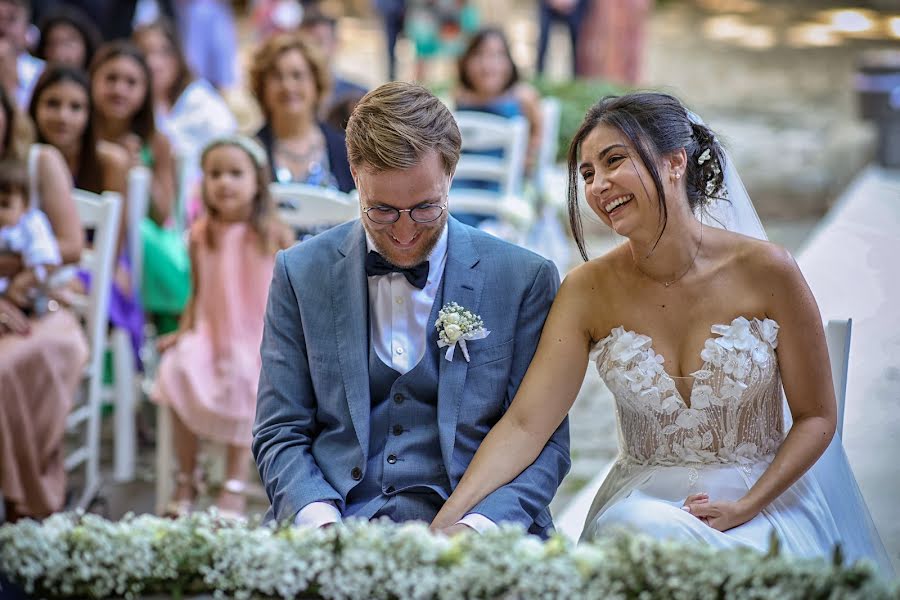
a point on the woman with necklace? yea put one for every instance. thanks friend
(683, 322)
(289, 80)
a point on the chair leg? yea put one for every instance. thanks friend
(125, 436)
(164, 461)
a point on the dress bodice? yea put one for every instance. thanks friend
(735, 413)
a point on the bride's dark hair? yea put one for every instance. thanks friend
(655, 124)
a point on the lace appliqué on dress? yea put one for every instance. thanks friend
(735, 411)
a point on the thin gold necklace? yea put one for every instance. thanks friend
(671, 281)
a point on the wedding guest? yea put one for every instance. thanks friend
(41, 357)
(14, 21)
(210, 367)
(25, 231)
(123, 115)
(568, 12)
(321, 30)
(683, 321)
(393, 15)
(188, 110)
(61, 110)
(68, 36)
(289, 80)
(209, 33)
(489, 82)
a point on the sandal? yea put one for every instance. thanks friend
(183, 507)
(237, 488)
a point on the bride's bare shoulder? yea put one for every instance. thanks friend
(760, 260)
(597, 272)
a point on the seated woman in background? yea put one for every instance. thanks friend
(123, 115)
(489, 82)
(61, 111)
(289, 80)
(189, 110)
(41, 357)
(68, 36)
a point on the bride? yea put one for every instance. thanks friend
(695, 329)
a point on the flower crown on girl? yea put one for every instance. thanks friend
(251, 147)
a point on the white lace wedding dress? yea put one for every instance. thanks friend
(720, 442)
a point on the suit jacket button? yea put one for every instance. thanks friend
(356, 473)
(398, 398)
(391, 459)
(398, 430)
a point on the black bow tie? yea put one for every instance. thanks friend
(377, 265)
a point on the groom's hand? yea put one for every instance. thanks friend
(456, 529)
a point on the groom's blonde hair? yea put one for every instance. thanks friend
(396, 124)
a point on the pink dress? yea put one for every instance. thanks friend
(210, 376)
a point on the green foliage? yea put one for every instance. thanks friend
(576, 96)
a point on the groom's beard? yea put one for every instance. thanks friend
(428, 236)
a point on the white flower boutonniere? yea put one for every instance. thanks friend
(456, 325)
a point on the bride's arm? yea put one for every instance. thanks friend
(543, 399)
(806, 376)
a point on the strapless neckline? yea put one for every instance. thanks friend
(718, 329)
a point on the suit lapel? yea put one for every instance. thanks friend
(349, 297)
(463, 284)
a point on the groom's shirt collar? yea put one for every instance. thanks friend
(399, 312)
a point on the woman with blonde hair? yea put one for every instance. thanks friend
(289, 80)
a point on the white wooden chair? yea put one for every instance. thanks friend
(101, 214)
(837, 336)
(124, 392)
(310, 207)
(484, 131)
(551, 111)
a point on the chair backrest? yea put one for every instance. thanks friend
(310, 207)
(484, 131)
(837, 337)
(546, 156)
(138, 199)
(100, 214)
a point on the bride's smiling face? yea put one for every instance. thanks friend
(617, 185)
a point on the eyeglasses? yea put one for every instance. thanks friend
(385, 215)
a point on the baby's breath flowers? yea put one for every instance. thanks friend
(73, 555)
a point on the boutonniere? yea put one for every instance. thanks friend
(456, 325)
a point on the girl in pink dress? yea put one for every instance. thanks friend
(210, 369)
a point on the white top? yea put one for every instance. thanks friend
(32, 238)
(398, 324)
(28, 69)
(198, 115)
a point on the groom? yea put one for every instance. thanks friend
(359, 412)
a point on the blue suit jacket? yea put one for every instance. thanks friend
(311, 435)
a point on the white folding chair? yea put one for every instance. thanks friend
(484, 131)
(311, 207)
(123, 394)
(837, 337)
(546, 156)
(101, 214)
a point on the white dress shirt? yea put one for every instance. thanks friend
(398, 326)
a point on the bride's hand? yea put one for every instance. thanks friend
(721, 515)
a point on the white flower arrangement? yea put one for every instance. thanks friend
(73, 555)
(455, 326)
(704, 157)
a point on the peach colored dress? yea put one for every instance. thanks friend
(210, 376)
(39, 375)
